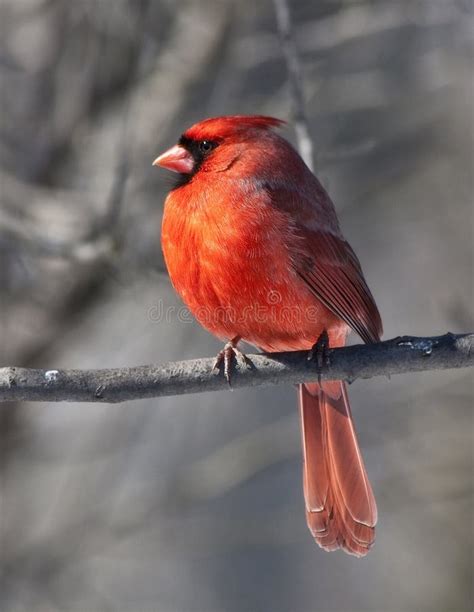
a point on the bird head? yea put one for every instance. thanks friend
(213, 144)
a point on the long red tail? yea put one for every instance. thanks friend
(340, 506)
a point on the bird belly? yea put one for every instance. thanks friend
(248, 291)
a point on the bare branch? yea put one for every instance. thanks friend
(397, 356)
(103, 237)
(305, 144)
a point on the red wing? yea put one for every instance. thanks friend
(331, 270)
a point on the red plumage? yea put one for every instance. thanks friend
(253, 246)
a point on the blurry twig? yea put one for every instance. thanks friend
(35, 241)
(401, 355)
(109, 223)
(305, 145)
(103, 237)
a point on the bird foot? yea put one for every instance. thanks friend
(226, 358)
(319, 352)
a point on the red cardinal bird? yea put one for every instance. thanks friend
(253, 246)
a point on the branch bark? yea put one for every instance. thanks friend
(397, 356)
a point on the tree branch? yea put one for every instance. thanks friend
(397, 356)
(295, 81)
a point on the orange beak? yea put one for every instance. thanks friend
(177, 159)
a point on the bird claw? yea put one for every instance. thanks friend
(226, 358)
(319, 352)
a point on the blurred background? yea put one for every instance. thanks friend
(195, 502)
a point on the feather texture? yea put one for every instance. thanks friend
(340, 506)
(332, 271)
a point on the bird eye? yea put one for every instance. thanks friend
(205, 146)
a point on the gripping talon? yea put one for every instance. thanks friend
(319, 352)
(226, 358)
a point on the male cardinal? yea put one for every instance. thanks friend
(253, 246)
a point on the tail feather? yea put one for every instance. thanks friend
(340, 505)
